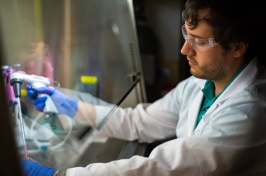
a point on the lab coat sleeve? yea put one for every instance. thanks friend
(145, 122)
(184, 156)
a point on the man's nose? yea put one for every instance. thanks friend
(186, 48)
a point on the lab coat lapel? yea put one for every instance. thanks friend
(245, 78)
(193, 113)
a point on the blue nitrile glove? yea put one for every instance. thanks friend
(63, 103)
(31, 168)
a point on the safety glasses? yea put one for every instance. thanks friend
(198, 44)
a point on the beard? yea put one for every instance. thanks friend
(210, 72)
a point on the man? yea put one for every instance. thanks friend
(218, 114)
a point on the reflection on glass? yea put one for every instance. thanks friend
(89, 47)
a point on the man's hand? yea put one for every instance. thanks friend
(63, 103)
(31, 168)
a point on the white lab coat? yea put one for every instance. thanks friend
(229, 140)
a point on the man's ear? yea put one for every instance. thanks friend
(239, 49)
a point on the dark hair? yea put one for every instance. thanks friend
(232, 21)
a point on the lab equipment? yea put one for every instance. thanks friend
(6, 71)
(17, 78)
(13, 80)
(14, 101)
(74, 46)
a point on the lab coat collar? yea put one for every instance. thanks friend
(195, 107)
(193, 113)
(243, 80)
(199, 82)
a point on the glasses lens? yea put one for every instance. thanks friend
(184, 32)
(199, 44)
(191, 40)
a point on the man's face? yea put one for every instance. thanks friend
(206, 61)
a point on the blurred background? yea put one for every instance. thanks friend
(158, 26)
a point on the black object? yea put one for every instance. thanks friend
(148, 46)
(9, 163)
